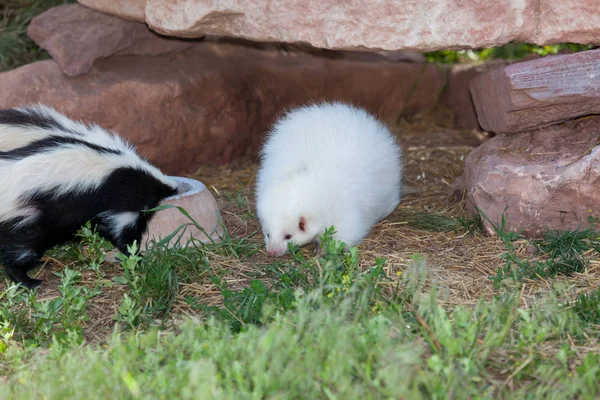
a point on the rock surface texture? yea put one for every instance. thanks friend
(213, 103)
(547, 178)
(537, 93)
(422, 25)
(133, 10)
(457, 94)
(76, 36)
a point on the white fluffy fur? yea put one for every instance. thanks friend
(332, 165)
(12, 137)
(120, 221)
(68, 167)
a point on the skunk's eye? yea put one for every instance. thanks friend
(288, 237)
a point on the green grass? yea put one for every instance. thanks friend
(305, 327)
(563, 252)
(16, 48)
(36, 322)
(328, 347)
(442, 223)
(587, 306)
(510, 51)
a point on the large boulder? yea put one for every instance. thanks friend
(76, 36)
(382, 24)
(548, 178)
(537, 93)
(213, 102)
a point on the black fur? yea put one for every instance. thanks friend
(124, 190)
(31, 117)
(50, 143)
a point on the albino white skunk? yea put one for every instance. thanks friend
(56, 174)
(323, 165)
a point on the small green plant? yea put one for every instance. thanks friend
(240, 199)
(92, 248)
(129, 312)
(130, 264)
(39, 321)
(152, 281)
(132, 307)
(587, 306)
(7, 332)
(14, 309)
(473, 224)
(68, 310)
(340, 273)
(16, 48)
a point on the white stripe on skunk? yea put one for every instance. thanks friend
(322, 165)
(56, 174)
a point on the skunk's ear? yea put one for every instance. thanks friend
(302, 224)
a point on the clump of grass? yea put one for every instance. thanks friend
(587, 306)
(510, 51)
(240, 200)
(473, 224)
(16, 48)
(432, 222)
(564, 252)
(442, 223)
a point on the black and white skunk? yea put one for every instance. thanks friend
(322, 165)
(56, 174)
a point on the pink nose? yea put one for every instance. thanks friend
(272, 253)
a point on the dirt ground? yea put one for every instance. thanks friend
(459, 261)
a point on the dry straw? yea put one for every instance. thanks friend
(458, 261)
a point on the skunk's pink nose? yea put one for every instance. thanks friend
(272, 253)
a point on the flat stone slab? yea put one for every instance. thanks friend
(423, 25)
(76, 36)
(547, 178)
(542, 92)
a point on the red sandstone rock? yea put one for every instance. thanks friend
(133, 10)
(423, 25)
(457, 96)
(547, 178)
(213, 102)
(76, 36)
(457, 93)
(537, 93)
